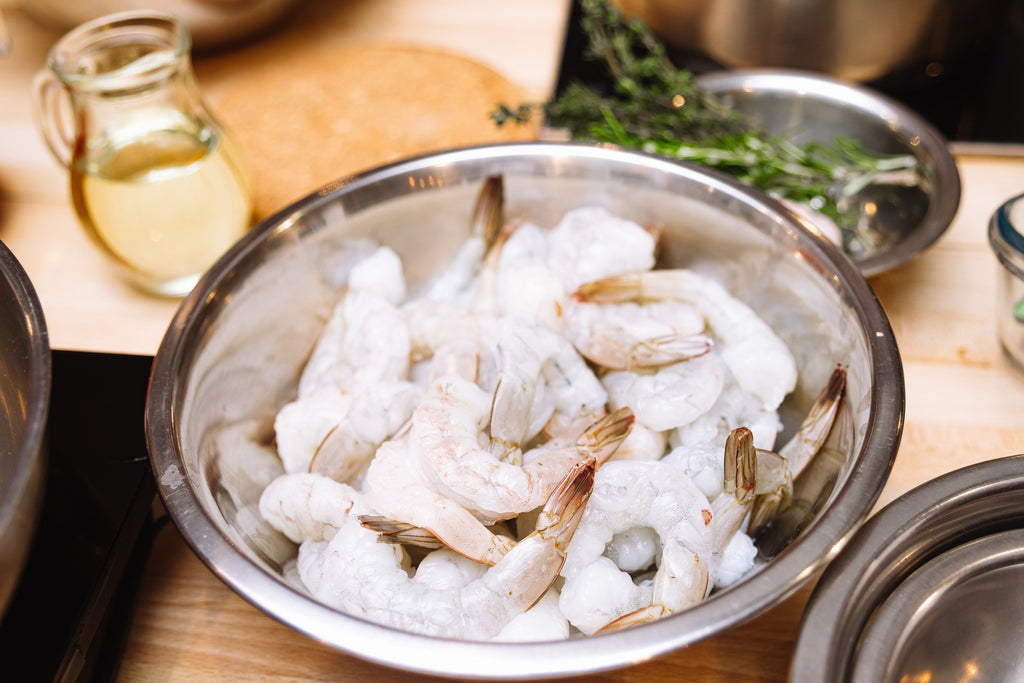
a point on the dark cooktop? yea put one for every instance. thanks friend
(67, 619)
(980, 100)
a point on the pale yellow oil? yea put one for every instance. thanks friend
(165, 205)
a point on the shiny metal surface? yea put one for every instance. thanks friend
(234, 350)
(819, 108)
(949, 529)
(25, 375)
(855, 39)
(212, 23)
(976, 587)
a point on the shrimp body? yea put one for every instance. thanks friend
(591, 243)
(631, 495)
(671, 396)
(397, 489)
(307, 507)
(759, 360)
(365, 578)
(629, 335)
(630, 500)
(447, 431)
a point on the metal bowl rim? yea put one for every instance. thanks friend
(906, 125)
(846, 581)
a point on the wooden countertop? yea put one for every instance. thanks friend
(964, 399)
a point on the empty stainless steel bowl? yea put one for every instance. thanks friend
(25, 374)
(928, 589)
(233, 353)
(906, 218)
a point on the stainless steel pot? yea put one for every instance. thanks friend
(859, 40)
(25, 374)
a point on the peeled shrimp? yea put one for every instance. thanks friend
(627, 336)
(365, 578)
(397, 490)
(634, 498)
(307, 507)
(591, 243)
(670, 396)
(364, 343)
(799, 450)
(455, 283)
(446, 433)
(759, 360)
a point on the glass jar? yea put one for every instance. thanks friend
(1008, 244)
(154, 178)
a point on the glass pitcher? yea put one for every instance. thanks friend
(154, 178)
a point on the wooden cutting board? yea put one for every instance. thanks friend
(315, 116)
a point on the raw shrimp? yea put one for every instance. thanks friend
(364, 343)
(757, 357)
(628, 335)
(446, 433)
(591, 243)
(446, 569)
(373, 415)
(638, 497)
(798, 451)
(812, 487)
(307, 507)
(735, 407)
(356, 574)
(455, 283)
(669, 396)
(396, 489)
(523, 287)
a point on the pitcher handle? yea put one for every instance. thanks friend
(52, 112)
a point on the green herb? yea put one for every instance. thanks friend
(656, 107)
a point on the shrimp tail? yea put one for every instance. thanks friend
(489, 210)
(800, 450)
(564, 509)
(609, 290)
(812, 488)
(400, 533)
(602, 438)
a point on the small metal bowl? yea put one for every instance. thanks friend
(25, 376)
(234, 351)
(906, 219)
(931, 583)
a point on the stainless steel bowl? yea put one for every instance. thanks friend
(233, 353)
(908, 219)
(25, 374)
(929, 589)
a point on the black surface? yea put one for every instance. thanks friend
(67, 618)
(980, 99)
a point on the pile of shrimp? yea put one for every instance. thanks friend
(550, 438)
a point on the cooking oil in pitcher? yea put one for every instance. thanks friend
(165, 206)
(154, 178)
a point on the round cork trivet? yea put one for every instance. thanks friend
(311, 118)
